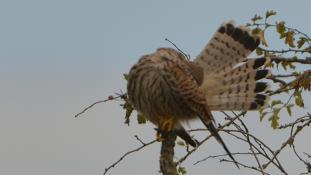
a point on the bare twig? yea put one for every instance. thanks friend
(309, 156)
(208, 137)
(122, 96)
(299, 120)
(246, 166)
(289, 141)
(251, 145)
(221, 155)
(276, 80)
(128, 153)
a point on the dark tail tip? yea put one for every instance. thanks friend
(214, 132)
(182, 133)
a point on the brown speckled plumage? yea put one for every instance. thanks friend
(166, 86)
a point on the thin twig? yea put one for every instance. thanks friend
(290, 140)
(276, 80)
(128, 153)
(101, 101)
(245, 166)
(284, 51)
(251, 145)
(208, 137)
(221, 155)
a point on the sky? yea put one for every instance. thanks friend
(59, 56)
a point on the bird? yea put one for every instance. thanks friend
(169, 89)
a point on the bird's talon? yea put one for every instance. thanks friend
(159, 137)
(167, 124)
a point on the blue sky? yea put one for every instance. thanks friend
(58, 56)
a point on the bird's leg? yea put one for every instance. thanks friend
(165, 124)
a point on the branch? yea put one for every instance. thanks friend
(209, 136)
(289, 141)
(298, 78)
(297, 121)
(288, 28)
(278, 59)
(284, 51)
(222, 155)
(276, 80)
(129, 152)
(122, 96)
(246, 166)
(251, 145)
(167, 164)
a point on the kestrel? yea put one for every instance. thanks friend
(168, 89)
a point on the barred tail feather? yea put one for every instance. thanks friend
(238, 103)
(229, 46)
(230, 78)
(242, 87)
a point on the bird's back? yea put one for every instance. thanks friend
(155, 82)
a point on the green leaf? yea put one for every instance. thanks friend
(256, 31)
(263, 39)
(298, 98)
(256, 18)
(296, 73)
(289, 39)
(289, 109)
(129, 110)
(280, 28)
(308, 49)
(291, 66)
(270, 13)
(283, 35)
(301, 42)
(141, 119)
(284, 64)
(181, 143)
(275, 102)
(125, 76)
(259, 52)
(275, 118)
(262, 115)
(261, 34)
(305, 82)
(182, 170)
(299, 102)
(270, 64)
